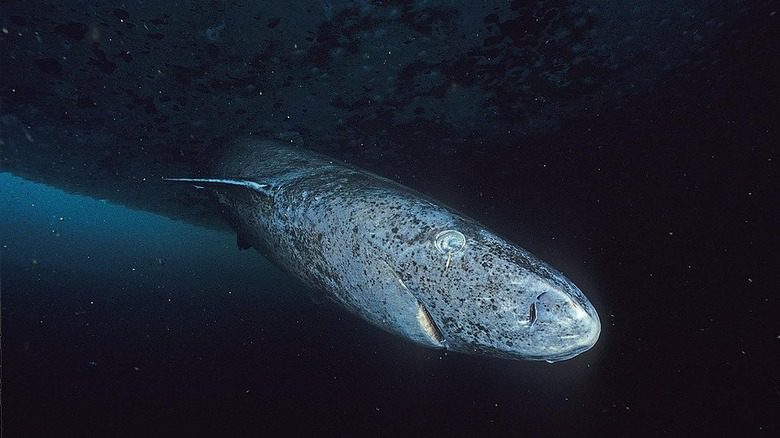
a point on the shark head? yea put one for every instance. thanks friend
(483, 295)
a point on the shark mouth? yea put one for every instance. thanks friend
(429, 326)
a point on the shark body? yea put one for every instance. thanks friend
(398, 259)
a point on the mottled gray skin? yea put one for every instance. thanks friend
(398, 259)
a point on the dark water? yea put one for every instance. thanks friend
(634, 147)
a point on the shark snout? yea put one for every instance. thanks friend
(569, 326)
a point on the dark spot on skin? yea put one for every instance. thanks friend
(85, 102)
(49, 65)
(17, 20)
(72, 30)
(273, 22)
(100, 60)
(492, 18)
(121, 14)
(146, 102)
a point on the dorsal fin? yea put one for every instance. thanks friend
(243, 242)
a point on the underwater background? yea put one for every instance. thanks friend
(632, 145)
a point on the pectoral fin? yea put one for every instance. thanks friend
(200, 183)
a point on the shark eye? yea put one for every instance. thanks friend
(449, 241)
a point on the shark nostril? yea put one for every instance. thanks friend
(532, 313)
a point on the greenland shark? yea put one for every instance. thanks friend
(396, 258)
